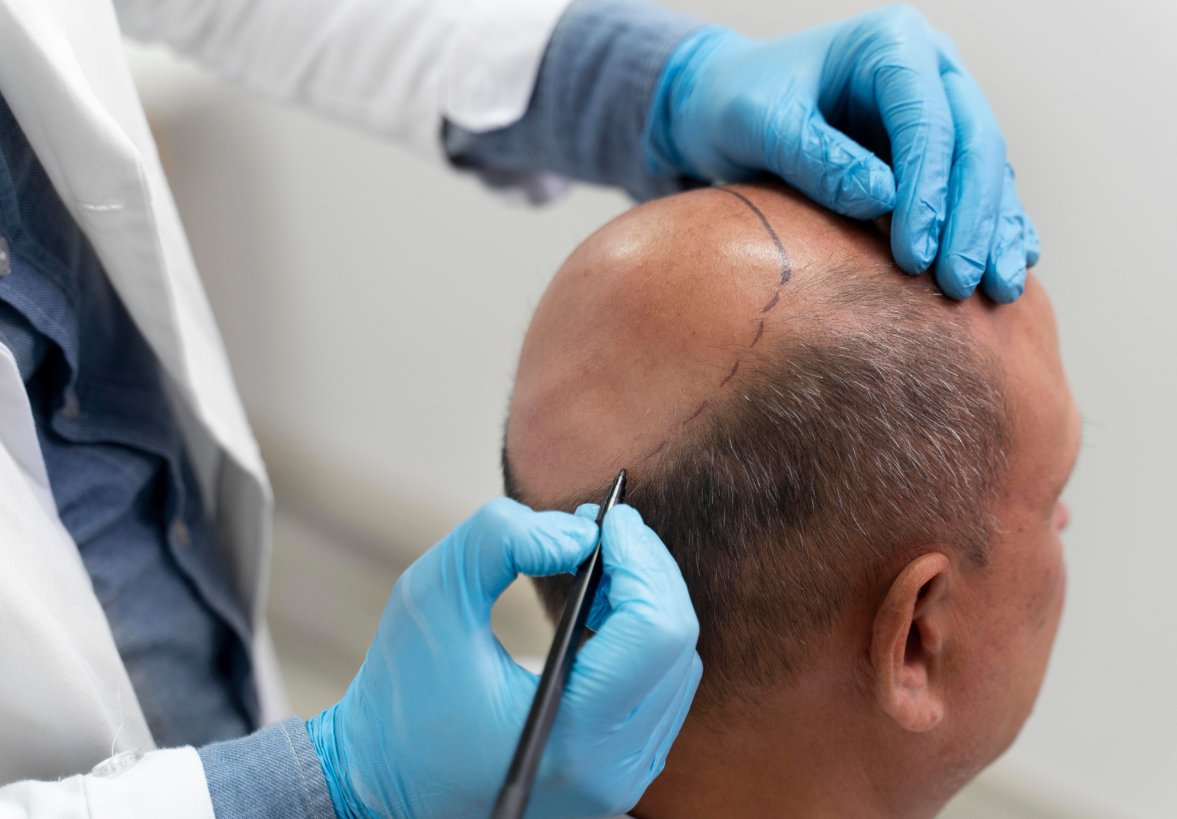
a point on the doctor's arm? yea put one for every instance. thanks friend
(629, 94)
(633, 95)
(427, 728)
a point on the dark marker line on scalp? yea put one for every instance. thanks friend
(731, 374)
(759, 333)
(786, 268)
(776, 297)
(697, 412)
(660, 447)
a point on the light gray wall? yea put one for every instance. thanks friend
(373, 307)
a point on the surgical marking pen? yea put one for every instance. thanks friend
(516, 789)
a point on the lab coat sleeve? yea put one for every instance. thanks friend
(167, 783)
(398, 68)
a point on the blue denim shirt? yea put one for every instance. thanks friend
(590, 104)
(117, 466)
(115, 459)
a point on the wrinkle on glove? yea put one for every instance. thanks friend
(867, 116)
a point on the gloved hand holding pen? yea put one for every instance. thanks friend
(825, 107)
(437, 672)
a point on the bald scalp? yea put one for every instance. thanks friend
(796, 416)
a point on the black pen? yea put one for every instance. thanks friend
(516, 789)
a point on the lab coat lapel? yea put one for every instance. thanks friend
(65, 77)
(64, 74)
(90, 157)
(65, 698)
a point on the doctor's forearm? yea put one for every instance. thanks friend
(393, 68)
(590, 102)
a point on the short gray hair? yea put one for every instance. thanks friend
(864, 432)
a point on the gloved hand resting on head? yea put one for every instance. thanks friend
(427, 728)
(823, 108)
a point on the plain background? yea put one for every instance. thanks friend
(373, 306)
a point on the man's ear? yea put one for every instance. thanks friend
(907, 644)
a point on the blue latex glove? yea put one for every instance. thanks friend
(428, 727)
(811, 108)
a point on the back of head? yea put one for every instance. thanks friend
(796, 416)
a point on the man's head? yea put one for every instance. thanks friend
(857, 476)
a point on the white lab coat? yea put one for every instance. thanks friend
(396, 67)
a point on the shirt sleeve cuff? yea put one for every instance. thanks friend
(273, 772)
(591, 100)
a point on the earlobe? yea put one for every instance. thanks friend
(907, 644)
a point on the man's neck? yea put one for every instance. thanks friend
(808, 754)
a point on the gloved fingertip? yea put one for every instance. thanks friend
(621, 524)
(914, 250)
(625, 514)
(866, 192)
(1006, 281)
(1004, 292)
(579, 526)
(558, 536)
(958, 275)
(587, 510)
(628, 541)
(929, 247)
(882, 188)
(534, 544)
